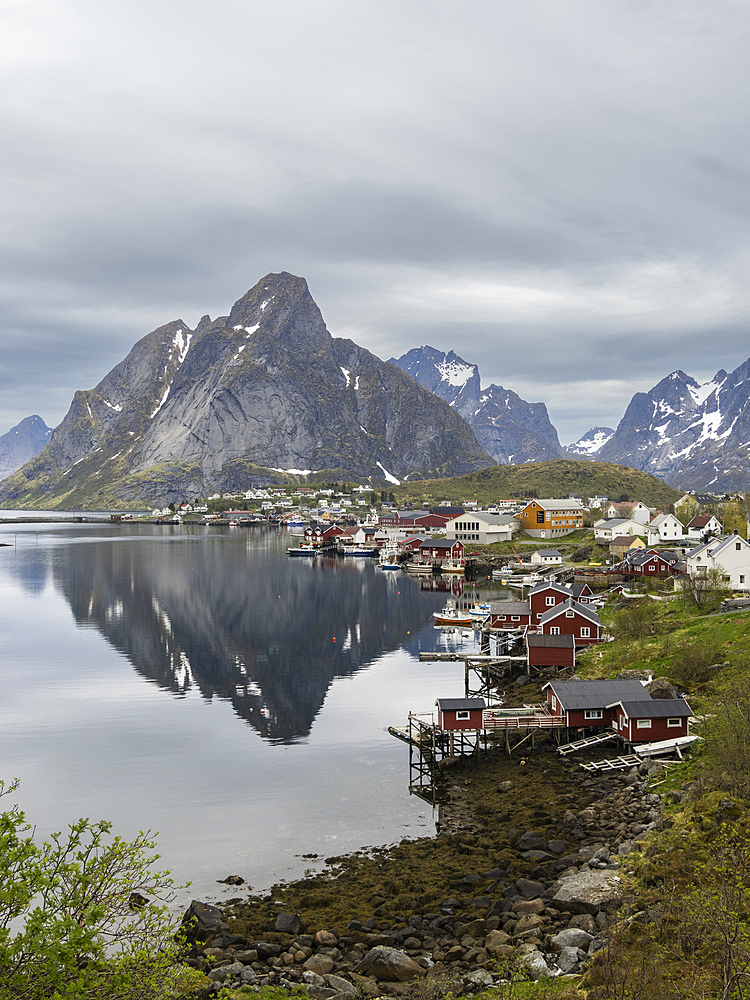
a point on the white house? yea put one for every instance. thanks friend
(730, 555)
(481, 526)
(664, 528)
(608, 528)
(702, 525)
(546, 557)
(633, 509)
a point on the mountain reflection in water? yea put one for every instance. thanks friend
(238, 620)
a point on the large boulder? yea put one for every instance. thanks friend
(588, 892)
(571, 937)
(203, 920)
(388, 965)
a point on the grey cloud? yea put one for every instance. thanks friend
(576, 175)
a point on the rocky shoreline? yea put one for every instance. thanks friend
(484, 894)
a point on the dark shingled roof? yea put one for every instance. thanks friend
(554, 641)
(461, 704)
(510, 608)
(597, 694)
(654, 708)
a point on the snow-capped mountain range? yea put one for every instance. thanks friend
(685, 432)
(509, 429)
(244, 395)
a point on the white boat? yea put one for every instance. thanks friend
(663, 746)
(305, 549)
(363, 551)
(480, 611)
(389, 556)
(452, 616)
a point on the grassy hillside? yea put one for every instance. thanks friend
(543, 479)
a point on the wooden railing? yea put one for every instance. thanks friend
(537, 718)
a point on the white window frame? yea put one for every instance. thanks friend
(674, 723)
(593, 713)
(554, 630)
(643, 723)
(549, 601)
(570, 614)
(585, 632)
(463, 716)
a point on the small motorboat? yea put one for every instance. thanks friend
(305, 549)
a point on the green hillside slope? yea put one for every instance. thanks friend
(557, 478)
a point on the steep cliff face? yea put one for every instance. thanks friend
(21, 443)
(266, 388)
(511, 430)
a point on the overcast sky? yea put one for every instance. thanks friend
(557, 191)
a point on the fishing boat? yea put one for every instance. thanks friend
(389, 556)
(363, 551)
(452, 616)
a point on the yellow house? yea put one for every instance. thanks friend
(550, 518)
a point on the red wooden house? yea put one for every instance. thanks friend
(509, 614)
(460, 713)
(650, 720)
(411, 543)
(546, 596)
(591, 704)
(572, 618)
(649, 562)
(441, 550)
(551, 651)
(581, 591)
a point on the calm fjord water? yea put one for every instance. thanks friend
(187, 681)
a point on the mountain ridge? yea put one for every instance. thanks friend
(265, 390)
(509, 429)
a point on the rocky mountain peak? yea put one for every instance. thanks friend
(280, 308)
(506, 426)
(262, 392)
(21, 443)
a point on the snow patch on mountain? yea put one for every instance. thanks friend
(591, 442)
(455, 373)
